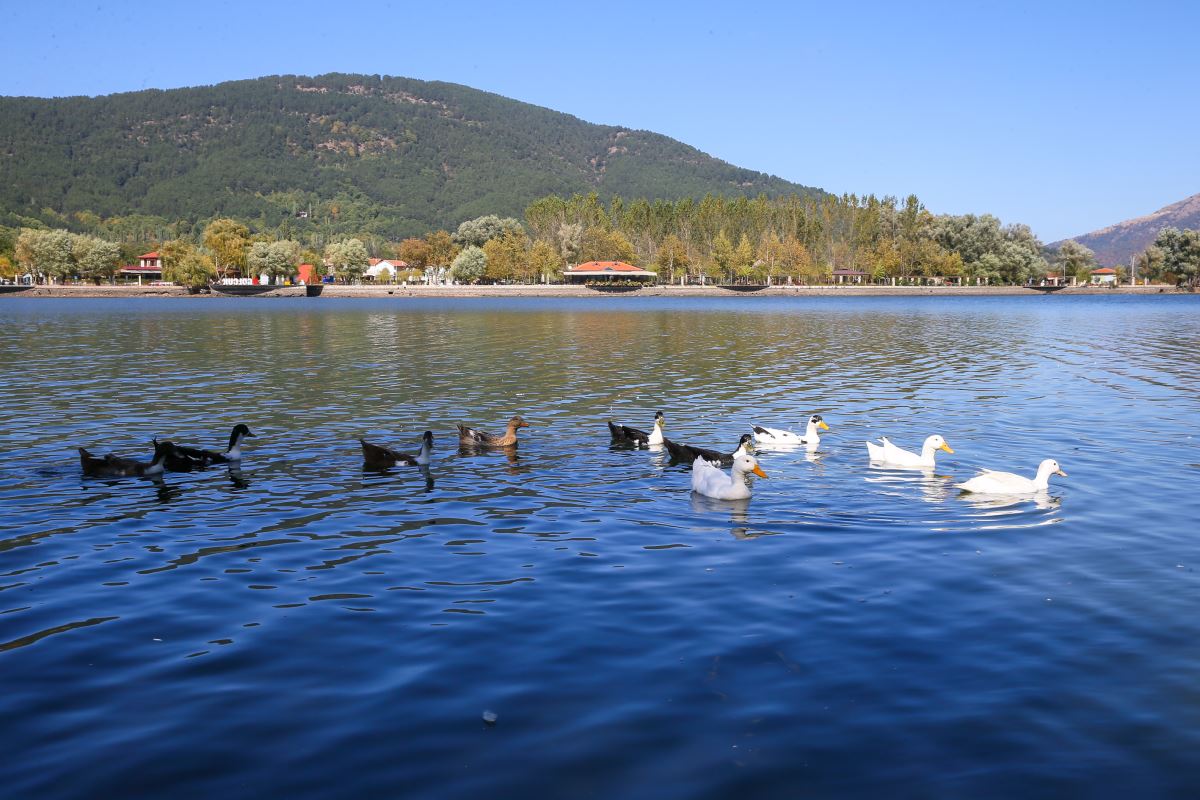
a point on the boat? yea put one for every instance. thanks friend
(254, 289)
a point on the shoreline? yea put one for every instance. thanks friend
(560, 290)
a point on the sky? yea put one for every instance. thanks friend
(1065, 116)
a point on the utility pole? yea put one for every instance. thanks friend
(1133, 270)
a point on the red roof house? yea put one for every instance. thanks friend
(611, 270)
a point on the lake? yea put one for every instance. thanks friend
(302, 628)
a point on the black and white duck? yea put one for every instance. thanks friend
(111, 466)
(777, 436)
(623, 434)
(379, 457)
(200, 457)
(473, 437)
(688, 453)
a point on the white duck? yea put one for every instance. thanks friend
(811, 437)
(710, 481)
(888, 453)
(991, 482)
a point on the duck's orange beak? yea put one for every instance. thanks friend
(822, 425)
(1060, 472)
(523, 425)
(945, 447)
(758, 471)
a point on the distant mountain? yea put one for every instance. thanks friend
(390, 155)
(1116, 243)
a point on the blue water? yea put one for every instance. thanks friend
(303, 628)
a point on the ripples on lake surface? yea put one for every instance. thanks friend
(305, 628)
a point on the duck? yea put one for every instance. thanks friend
(477, 438)
(710, 481)
(178, 461)
(204, 457)
(378, 457)
(888, 453)
(623, 434)
(992, 482)
(111, 466)
(689, 453)
(775, 436)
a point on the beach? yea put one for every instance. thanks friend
(563, 290)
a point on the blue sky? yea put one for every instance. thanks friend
(1066, 116)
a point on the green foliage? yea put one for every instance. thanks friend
(186, 264)
(228, 241)
(349, 259)
(481, 230)
(46, 253)
(1075, 259)
(95, 259)
(470, 265)
(507, 257)
(318, 158)
(275, 259)
(1179, 254)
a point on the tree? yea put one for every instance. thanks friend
(483, 229)
(442, 249)
(258, 258)
(743, 258)
(1075, 259)
(95, 259)
(228, 241)
(672, 255)
(415, 252)
(8, 270)
(722, 255)
(796, 260)
(601, 244)
(183, 263)
(507, 257)
(42, 252)
(544, 260)
(570, 240)
(1180, 253)
(470, 265)
(349, 259)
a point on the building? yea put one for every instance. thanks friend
(376, 266)
(1104, 275)
(149, 266)
(607, 271)
(848, 276)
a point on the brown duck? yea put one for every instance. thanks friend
(379, 457)
(477, 438)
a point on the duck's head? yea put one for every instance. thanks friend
(242, 430)
(815, 419)
(162, 449)
(1051, 467)
(427, 439)
(517, 422)
(660, 421)
(745, 444)
(748, 463)
(936, 442)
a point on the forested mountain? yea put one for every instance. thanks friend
(1117, 243)
(336, 153)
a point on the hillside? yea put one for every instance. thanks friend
(1116, 243)
(390, 155)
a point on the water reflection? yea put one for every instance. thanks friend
(1043, 501)
(933, 488)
